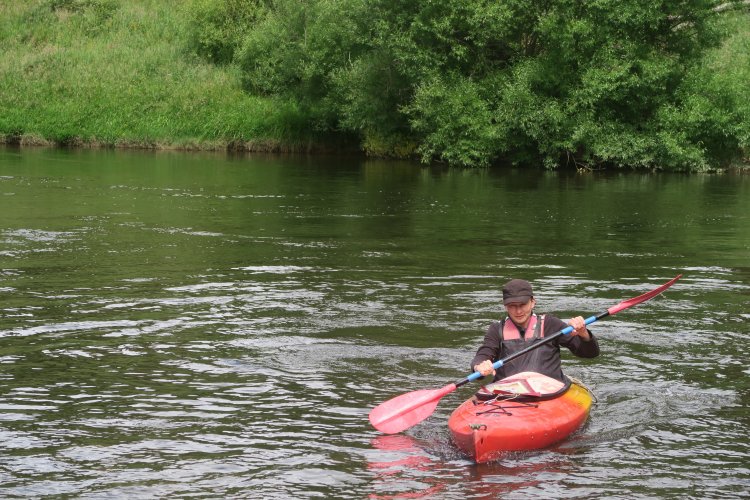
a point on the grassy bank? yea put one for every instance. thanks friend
(121, 73)
(115, 73)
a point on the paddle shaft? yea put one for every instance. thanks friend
(499, 363)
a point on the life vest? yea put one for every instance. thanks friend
(511, 331)
(512, 342)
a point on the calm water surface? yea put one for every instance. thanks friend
(203, 326)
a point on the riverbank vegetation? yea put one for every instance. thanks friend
(470, 83)
(121, 73)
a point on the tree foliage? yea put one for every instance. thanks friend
(218, 28)
(471, 82)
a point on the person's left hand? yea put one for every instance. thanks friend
(579, 328)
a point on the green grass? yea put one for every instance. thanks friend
(118, 73)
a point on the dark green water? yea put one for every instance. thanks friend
(189, 325)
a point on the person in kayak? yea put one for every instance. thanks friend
(521, 328)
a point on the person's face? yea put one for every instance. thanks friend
(520, 312)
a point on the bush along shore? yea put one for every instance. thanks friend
(108, 73)
(554, 84)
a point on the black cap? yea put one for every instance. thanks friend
(517, 291)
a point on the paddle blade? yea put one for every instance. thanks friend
(407, 410)
(642, 298)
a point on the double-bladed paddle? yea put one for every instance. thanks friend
(407, 410)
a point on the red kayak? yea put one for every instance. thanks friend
(526, 411)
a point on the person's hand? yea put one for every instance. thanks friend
(485, 368)
(579, 328)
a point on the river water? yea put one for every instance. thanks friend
(190, 325)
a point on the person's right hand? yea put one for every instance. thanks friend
(485, 368)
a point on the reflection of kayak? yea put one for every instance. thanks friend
(526, 411)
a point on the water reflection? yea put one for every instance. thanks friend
(403, 469)
(407, 467)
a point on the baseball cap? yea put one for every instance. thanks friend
(517, 291)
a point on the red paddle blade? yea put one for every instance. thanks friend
(642, 298)
(407, 410)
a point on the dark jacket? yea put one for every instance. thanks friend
(544, 359)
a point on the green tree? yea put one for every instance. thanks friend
(471, 82)
(219, 27)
